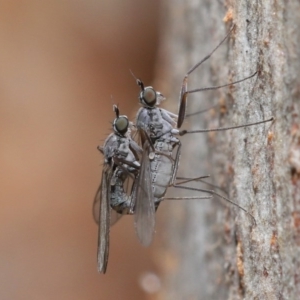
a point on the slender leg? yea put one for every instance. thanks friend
(176, 163)
(200, 179)
(220, 196)
(183, 93)
(183, 132)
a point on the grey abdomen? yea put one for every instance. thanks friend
(119, 200)
(161, 169)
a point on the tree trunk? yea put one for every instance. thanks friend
(212, 250)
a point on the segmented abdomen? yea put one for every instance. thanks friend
(119, 200)
(161, 169)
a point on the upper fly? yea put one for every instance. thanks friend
(159, 131)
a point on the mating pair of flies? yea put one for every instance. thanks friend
(141, 161)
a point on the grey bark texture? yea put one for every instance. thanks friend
(211, 250)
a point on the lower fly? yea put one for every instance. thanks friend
(116, 194)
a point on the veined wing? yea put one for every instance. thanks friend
(114, 216)
(103, 218)
(144, 211)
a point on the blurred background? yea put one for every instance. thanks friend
(60, 63)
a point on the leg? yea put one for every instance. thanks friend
(183, 132)
(212, 192)
(176, 163)
(201, 180)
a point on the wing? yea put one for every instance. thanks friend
(114, 216)
(127, 186)
(144, 210)
(103, 219)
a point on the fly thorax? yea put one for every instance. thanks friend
(123, 147)
(160, 128)
(121, 153)
(155, 124)
(123, 144)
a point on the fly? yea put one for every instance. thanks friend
(117, 192)
(161, 127)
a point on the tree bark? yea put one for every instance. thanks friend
(212, 251)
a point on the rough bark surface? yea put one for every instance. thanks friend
(210, 250)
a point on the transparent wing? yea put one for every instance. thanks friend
(114, 216)
(96, 205)
(144, 209)
(103, 218)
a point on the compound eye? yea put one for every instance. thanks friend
(121, 124)
(149, 96)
